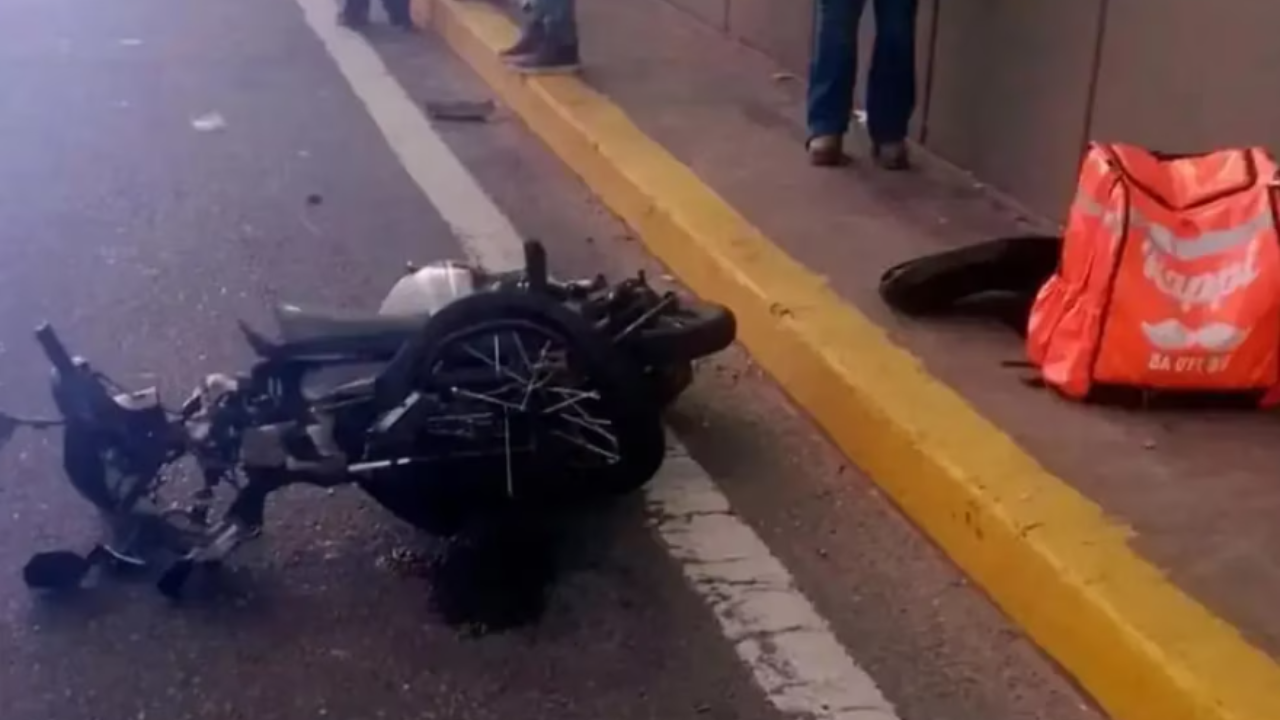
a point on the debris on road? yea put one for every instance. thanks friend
(460, 110)
(209, 122)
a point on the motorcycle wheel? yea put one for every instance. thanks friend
(632, 416)
(692, 330)
(936, 283)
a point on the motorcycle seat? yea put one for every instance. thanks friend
(307, 333)
(301, 324)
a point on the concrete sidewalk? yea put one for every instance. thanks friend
(1132, 547)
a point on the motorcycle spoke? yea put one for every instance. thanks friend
(595, 421)
(506, 447)
(491, 362)
(576, 396)
(524, 355)
(497, 357)
(580, 442)
(583, 423)
(463, 392)
(536, 379)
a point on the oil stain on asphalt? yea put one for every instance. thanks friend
(493, 577)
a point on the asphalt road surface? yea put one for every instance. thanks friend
(170, 166)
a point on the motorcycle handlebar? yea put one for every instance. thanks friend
(55, 350)
(77, 391)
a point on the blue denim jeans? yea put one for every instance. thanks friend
(358, 10)
(891, 84)
(558, 19)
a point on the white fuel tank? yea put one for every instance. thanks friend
(429, 288)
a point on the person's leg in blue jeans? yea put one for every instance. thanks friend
(891, 85)
(549, 42)
(355, 13)
(832, 71)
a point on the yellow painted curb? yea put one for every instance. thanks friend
(1047, 555)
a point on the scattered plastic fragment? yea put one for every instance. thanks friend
(209, 122)
(460, 110)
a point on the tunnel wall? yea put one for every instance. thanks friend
(1012, 89)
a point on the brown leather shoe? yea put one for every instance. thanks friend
(891, 156)
(826, 151)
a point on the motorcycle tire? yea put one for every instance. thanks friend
(668, 382)
(934, 284)
(693, 330)
(634, 416)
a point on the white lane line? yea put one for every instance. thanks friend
(485, 233)
(789, 648)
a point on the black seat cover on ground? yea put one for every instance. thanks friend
(942, 283)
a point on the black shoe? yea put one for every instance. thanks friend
(547, 59)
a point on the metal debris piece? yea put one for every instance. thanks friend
(460, 110)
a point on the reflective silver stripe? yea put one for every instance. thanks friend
(1211, 242)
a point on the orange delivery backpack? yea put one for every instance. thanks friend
(1169, 277)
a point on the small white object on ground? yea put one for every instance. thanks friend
(130, 42)
(209, 122)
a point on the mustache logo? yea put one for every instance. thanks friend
(1171, 335)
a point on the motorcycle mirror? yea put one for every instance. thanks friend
(55, 570)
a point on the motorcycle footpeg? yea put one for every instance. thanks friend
(115, 559)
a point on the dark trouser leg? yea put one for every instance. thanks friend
(891, 87)
(559, 18)
(355, 12)
(398, 12)
(833, 67)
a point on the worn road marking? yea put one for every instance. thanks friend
(775, 630)
(789, 649)
(483, 230)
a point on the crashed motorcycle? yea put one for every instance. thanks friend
(479, 391)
